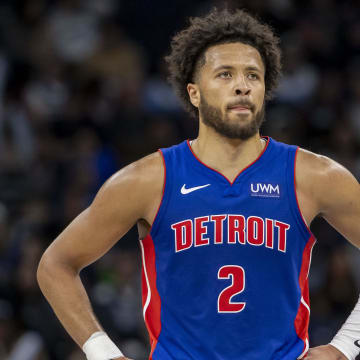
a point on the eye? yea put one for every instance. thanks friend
(225, 75)
(253, 76)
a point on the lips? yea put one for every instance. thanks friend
(240, 107)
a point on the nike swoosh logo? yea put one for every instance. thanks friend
(357, 343)
(185, 191)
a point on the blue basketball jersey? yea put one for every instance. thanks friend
(225, 265)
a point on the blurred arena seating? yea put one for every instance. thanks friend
(83, 92)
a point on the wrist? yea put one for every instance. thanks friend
(100, 347)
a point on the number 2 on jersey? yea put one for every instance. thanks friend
(237, 275)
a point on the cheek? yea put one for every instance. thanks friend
(259, 95)
(213, 98)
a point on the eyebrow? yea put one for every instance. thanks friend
(223, 67)
(229, 67)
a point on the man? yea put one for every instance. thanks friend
(223, 219)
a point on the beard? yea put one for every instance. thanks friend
(223, 125)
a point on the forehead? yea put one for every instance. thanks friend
(233, 54)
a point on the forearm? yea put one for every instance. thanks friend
(62, 287)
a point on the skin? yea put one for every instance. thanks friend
(133, 194)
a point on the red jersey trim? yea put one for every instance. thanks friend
(231, 183)
(302, 318)
(150, 296)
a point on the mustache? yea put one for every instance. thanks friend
(243, 103)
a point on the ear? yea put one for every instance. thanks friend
(194, 94)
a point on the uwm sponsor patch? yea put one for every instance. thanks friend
(265, 190)
(230, 229)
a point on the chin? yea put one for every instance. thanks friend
(242, 117)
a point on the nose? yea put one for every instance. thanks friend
(242, 87)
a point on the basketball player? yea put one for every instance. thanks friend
(223, 219)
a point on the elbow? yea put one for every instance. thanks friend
(44, 270)
(51, 270)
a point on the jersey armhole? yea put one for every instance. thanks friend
(295, 206)
(160, 210)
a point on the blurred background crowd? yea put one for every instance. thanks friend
(83, 92)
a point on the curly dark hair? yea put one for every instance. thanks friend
(188, 48)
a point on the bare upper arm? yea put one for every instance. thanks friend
(327, 189)
(133, 193)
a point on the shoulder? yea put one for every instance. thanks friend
(146, 171)
(324, 180)
(138, 185)
(314, 167)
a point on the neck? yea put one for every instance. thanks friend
(228, 156)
